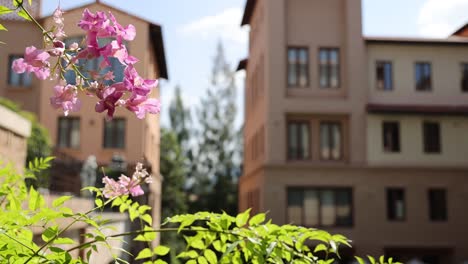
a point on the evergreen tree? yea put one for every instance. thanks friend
(173, 170)
(216, 165)
(180, 119)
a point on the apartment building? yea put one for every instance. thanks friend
(86, 133)
(362, 136)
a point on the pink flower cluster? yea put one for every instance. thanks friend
(126, 185)
(133, 93)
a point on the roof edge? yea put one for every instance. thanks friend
(248, 12)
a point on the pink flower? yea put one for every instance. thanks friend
(112, 188)
(128, 33)
(66, 97)
(59, 48)
(135, 83)
(58, 19)
(116, 50)
(35, 61)
(141, 105)
(109, 100)
(98, 23)
(131, 185)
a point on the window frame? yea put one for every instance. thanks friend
(383, 63)
(398, 130)
(425, 137)
(299, 124)
(69, 130)
(21, 84)
(422, 64)
(432, 210)
(115, 133)
(320, 190)
(330, 138)
(297, 50)
(388, 206)
(328, 64)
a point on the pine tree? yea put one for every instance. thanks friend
(216, 165)
(173, 170)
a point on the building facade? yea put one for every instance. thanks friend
(86, 133)
(361, 136)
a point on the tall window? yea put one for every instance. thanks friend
(437, 204)
(384, 75)
(320, 206)
(329, 68)
(396, 210)
(464, 80)
(93, 65)
(431, 137)
(15, 79)
(330, 141)
(68, 132)
(298, 67)
(298, 140)
(423, 76)
(114, 133)
(391, 136)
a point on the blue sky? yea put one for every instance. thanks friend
(192, 29)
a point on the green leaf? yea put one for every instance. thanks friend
(5, 10)
(24, 15)
(242, 218)
(64, 241)
(371, 259)
(160, 261)
(59, 201)
(147, 218)
(49, 233)
(256, 220)
(320, 247)
(161, 250)
(202, 260)
(3, 28)
(210, 256)
(197, 243)
(98, 202)
(30, 2)
(145, 253)
(33, 200)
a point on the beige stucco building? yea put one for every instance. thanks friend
(362, 136)
(86, 132)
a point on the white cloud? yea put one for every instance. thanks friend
(440, 18)
(225, 25)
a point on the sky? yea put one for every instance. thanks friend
(192, 29)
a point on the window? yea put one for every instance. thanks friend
(423, 76)
(464, 81)
(298, 67)
(320, 206)
(329, 68)
(114, 133)
(298, 140)
(438, 204)
(15, 79)
(396, 210)
(391, 136)
(431, 137)
(330, 141)
(384, 75)
(93, 64)
(69, 132)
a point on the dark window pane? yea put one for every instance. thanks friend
(391, 136)
(431, 137)
(320, 206)
(423, 76)
(396, 204)
(330, 141)
(298, 140)
(114, 133)
(438, 205)
(329, 68)
(68, 132)
(384, 76)
(464, 80)
(298, 67)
